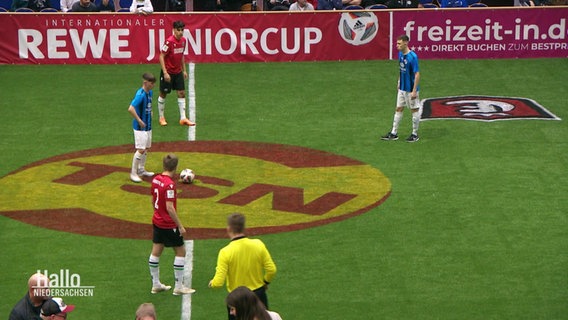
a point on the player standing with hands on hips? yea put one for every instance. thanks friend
(168, 229)
(173, 73)
(408, 90)
(141, 110)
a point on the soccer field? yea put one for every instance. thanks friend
(474, 225)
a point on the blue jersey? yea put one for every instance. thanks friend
(408, 64)
(142, 103)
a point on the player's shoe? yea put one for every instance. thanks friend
(135, 178)
(163, 121)
(413, 138)
(145, 173)
(389, 136)
(186, 122)
(160, 288)
(182, 291)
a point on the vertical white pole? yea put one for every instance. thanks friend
(391, 57)
(191, 93)
(188, 271)
(187, 274)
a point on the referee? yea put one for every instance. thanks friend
(243, 262)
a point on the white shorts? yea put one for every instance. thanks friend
(142, 139)
(404, 100)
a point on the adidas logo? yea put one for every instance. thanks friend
(358, 25)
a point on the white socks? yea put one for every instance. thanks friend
(415, 122)
(137, 161)
(398, 118)
(142, 163)
(161, 106)
(153, 263)
(181, 105)
(396, 121)
(179, 265)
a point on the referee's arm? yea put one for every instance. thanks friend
(220, 272)
(269, 267)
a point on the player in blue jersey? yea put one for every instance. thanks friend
(141, 110)
(408, 90)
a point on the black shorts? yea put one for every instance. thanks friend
(167, 237)
(176, 83)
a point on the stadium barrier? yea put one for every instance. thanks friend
(124, 38)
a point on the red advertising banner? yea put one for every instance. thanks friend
(531, 32)
(56, 38)
(103, 38)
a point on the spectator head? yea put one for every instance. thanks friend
(55, 308)
(146, 311)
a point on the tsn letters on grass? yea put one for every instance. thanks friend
(257, 179)
(290, 199)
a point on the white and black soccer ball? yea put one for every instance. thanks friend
(187, 176)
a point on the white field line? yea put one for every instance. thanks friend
(187, 274)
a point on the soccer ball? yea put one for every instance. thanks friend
(358, 28)
(186, 176)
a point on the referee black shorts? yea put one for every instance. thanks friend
(176, 83)
(167, 237)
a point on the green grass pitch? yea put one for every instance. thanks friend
(475, 228)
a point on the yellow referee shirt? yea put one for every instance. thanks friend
(244, 262)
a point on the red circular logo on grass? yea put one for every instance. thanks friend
(278, 187)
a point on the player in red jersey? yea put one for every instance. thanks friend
(173, 73)
(168, 229)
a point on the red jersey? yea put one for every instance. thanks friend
(173, 54)
(163, 189)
